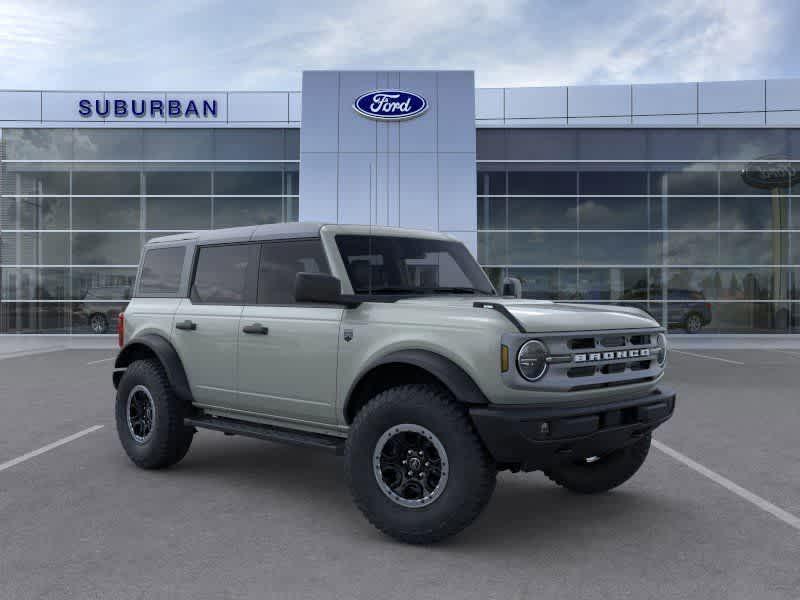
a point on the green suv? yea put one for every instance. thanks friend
(390, 347)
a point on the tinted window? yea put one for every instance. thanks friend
(281, 262)
(389, 265)
(219, 277)
(161, 271)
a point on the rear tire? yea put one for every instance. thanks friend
(150, 417)
(425, 421)
(693, 323)
(603, 474)
(98, 323)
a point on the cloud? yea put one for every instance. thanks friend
(251, 44)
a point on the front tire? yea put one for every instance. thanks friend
(693, 323)
(150, 417)
(98, 323)
(415, 466)
(600, 474)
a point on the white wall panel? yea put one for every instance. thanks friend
(599, 101)
(20, 106)
(665, 99)
(258, 106)
(489, 103)
(731, 96)
(783, 94)
(536, 103)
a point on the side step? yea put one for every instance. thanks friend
(268, 432)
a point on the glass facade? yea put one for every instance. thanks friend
(76, 206)
(700, 227)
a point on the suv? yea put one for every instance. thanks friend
(391, 347)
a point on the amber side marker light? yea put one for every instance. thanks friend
(121, 330)
(503, 358)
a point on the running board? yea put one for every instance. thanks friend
(268, 432)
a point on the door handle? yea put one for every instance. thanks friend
(256, 328)
(186, 325)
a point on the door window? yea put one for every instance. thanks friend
(221, 274)
(281, 262)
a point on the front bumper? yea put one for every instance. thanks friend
(532, 438)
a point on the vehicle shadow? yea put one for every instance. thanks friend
(525, 508)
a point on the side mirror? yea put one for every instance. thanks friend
(318, 287)
(512, 286)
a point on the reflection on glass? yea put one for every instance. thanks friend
(98, 183)
(177, 213)
(547, 284)
(233, 212)
(106, 248)
(613, 284)
(543, 248)
(248, 182)
(105, 213)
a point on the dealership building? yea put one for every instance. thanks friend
(682, 199)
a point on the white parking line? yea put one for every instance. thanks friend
(96, 362)
(758, 501)
(43, 449)
(725, 360)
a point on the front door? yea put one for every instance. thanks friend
(287, 351)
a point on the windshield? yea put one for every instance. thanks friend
(408, 265)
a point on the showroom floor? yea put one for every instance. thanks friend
(713, 513)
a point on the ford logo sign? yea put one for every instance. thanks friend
(390, 105)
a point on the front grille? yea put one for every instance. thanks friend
(582, 361)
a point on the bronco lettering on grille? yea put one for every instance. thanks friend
(616, 355)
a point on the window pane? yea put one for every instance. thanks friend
(248, 182)
(682, 144)
(178, 213)
(178, 183)
(38, 144)
(232, 212)
(95, 316)
(692, 248)
(281, 262)
(249, 144)
(220, 274)
(161, 271)
(98, 183)
(33, 317)
(753, 248)
(492, 213)
(693, 283)
(490, 144)
(50, 248)
(105, 248)
(540, 144)
(38, 213)
(613, 284)
(611, 144)
(491, 183)
(103, 284)
(547, 284)
(107, 144)
(542, 213)
(105, 213)
(620, 248)
(34, 182)
(178, 144)
(34, 284)
(542, 183)
(543, 248)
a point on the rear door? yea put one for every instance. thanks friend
(288, 351)
(205, 329)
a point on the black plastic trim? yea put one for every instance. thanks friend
(533, 437)
(166, 354)
(503, 310)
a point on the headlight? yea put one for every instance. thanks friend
(532, 360)
(661, 349)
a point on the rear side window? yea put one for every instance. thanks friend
(281, 262)
(161, 271)
(221, 274)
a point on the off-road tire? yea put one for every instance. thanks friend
(608, 472)
(170, 438)
(472, 472)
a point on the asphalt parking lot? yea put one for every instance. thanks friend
(241, 518)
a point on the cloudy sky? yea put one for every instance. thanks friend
(265, 44)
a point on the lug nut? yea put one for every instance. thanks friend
(404, 461)
(409, 473)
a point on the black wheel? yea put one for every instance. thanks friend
(601, 473)
(693, 323)
(98, 323)
(150, 417)
(416, 467)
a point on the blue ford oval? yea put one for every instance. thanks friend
(390, 105)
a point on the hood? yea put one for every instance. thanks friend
(542, 316)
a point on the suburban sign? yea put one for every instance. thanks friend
(148, 107)
(390, 105)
